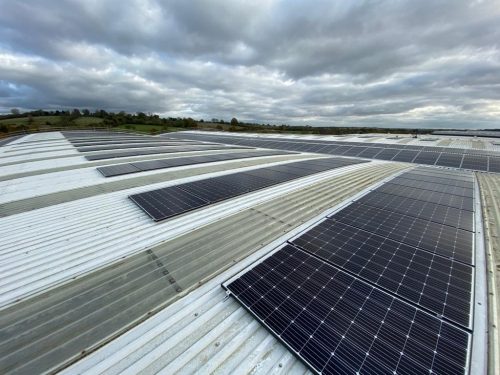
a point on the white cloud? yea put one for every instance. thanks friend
(425, 63)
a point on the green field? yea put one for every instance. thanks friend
(35, 121)
(46, 122)
(143, 128)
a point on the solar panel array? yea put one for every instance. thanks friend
(384, 285)
(141, 166)
(132, 144)
(163, 203)
(480, 160)
(157, 150)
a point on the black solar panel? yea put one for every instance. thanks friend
(494, 164)
(129, 146)
(178, 162)
(387, 154)
(160, 205)
(439, 156)
(450, 160)
(433, 282)
(444, 173)
(370, 152)
(477, 162)
(454, 217)
(339, 324)
(354, 151)
(163, 203)
(153, 151)
(426, 157)
(150, 165)
(457, 201)
(437, 238)
(435, 179)
(406, 156)
(116, 170)
(433, 186)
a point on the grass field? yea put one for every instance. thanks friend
(36, 121)
(148, 128)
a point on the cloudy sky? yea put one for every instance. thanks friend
(424, 63)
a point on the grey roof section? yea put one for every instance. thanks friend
(107, 302)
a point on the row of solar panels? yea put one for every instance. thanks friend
(158, 150)
(171, 201)
(439, 156)
(133, 144)
(371, 290)
(141, 166)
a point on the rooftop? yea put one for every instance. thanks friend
(90, 283)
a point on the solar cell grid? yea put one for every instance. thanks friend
(430, 236)
(405, 156)
(450, 160)
(129, 146)
(340, 324)
(388, 154)
(456, 201)
(115, 170)
(354, 151)
(437, 180)
(426, 157)
(424, 210)
(150, 165)
(163, 203)
(477, 162)
(494, 164)
(215, 189)
(433, 186)
(445, 173)
(370, 152)
(153, 150)
(426, 279)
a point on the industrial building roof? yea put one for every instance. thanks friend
(90, 284)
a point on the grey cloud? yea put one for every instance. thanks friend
(375, 62)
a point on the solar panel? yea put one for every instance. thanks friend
(370, 152)
(164, 203)
(477, 162)
(444, 173)
(438, 180)
(405, 156)
(129, 146)
(430, 236)
(387, 154)
(439, 156)
(150, 165)
(426, 157)
(161, 204)
(438, 284)
(339, 324)
(178, 162)
(152, 151)
(116, 170)
(450, 160)
(494, 164)
(433, 186)
(424, 210)
(354, 151)
(457, 201)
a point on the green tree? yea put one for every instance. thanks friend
(234, 121)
